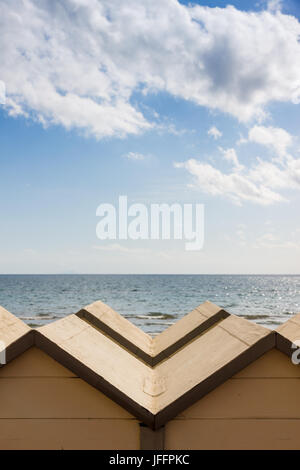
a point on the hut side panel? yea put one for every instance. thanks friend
(257, 408)
(45, 406)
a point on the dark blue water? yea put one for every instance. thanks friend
(152, 302)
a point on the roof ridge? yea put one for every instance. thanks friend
(15, 336)
(152, 350)
(158, 392)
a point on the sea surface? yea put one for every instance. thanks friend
(152, 302)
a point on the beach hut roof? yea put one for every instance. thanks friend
(114, 356)
(15, 336)
(152, 350)
(288, 335)
(153, 378)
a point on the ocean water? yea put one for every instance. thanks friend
(152, 302)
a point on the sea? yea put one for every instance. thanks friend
(152, 302)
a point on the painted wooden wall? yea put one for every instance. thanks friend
(45, 406)
(258, 408)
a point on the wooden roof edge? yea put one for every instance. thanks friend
(149, 352)
(87, 314)
(151, 419)
(91, 377)
(248, 356)
(288, 335)
(193, 333)
(209, 309)
(275, 338)
(15, 336)
(18, 347)
(154, 421)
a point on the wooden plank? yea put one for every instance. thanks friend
(200, 359)
(119, 328)
(272, 364)
(242, 329)
(102, 356)
(186, 329)
(77, 434)
(154, 395)
(34, 363)
(55, 397)
(152, 350)
(221, 374)
(99, 378)
(249, 398)
(234, 434)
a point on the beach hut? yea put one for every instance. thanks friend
(93, 380)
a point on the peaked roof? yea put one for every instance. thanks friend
(153, 378)
(152, 350)
(156, 378)
(15, 336)
(288, 335)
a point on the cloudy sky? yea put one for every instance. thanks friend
(161, 101)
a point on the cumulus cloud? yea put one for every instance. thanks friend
(214, 132)
(262, 183)
(77, 63)
(273, 137)
(236, 186)
(231, 156)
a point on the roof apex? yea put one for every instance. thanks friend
(152, 350)
(15, 336)
(288, 335)
(155, 392)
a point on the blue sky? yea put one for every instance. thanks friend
(181, 102)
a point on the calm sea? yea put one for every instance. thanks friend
(152, 302)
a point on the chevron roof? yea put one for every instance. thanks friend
(153, 378)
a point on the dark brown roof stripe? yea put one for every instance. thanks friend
(152, 350)
(91, 377)
(214, 380)
(155, 395)
(205, 359)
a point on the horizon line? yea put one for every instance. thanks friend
(149, 274)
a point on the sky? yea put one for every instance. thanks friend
(164, 102)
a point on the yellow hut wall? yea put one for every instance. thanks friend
(257, 408)
(45, 406)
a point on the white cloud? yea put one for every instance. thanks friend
(273, 137)
(236, 186)
(231, 156)
(77, 63)
(134, 156)
(214, 132)
(256, 183)
(269, 240)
